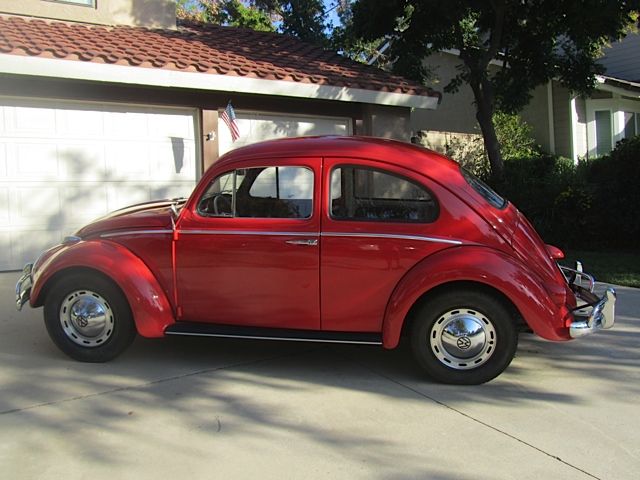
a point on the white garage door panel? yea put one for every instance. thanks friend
(35, 205)
(5, 246)
(25, 243)
(61, 166)
(32, 161)
(256, 127)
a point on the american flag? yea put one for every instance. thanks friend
(229, 117)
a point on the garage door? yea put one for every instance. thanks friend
(62, 165)
(255, 127)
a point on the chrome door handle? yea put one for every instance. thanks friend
(307, 242)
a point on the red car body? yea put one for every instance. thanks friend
(321, 273)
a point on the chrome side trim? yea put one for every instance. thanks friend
(285, 339)
(323, 234)
(393, 237)
(248, 232)
(137, 232)
(304, 242)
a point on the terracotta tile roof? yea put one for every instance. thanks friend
(196, 47)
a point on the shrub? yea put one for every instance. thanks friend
(515, 136)
(592, 205)
(616, 210)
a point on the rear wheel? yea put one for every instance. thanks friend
(464, 337)
(88, 318)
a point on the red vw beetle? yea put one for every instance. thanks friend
(326, 239)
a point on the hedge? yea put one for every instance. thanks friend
(592, 205)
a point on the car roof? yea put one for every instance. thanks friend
(389, 151)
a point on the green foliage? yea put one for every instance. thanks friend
(516, 142)
(301, 18)
(344, 40)
(225, 12)
(468, 151)
(237, 14)
(304, 19)
(585, 206)
(617, 267)
(534, 40)
(618, 196)
(515, 136)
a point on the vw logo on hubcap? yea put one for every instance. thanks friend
(463, 343)
(82, 321)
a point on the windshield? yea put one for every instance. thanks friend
(483, 189)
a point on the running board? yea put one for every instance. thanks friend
(257, 333)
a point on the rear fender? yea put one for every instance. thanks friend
(481, 265)
(149, 304)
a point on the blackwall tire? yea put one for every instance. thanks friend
(464, 337)
(88, 318)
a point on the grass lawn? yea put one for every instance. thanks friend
(620, 268)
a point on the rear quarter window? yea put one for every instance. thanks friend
(484, 190)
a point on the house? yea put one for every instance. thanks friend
(108, 103)
(563, 123)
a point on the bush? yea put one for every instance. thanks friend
(592, 205)
(515, 137)
(616, 210)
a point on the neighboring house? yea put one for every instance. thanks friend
(107, 103)
(563, 123)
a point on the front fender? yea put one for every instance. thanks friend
(481, 265)
(149, 304)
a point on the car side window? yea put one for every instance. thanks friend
(359, 193)
(264, 192)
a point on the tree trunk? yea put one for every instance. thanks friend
(484, 115)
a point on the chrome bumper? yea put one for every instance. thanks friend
(23, 287)
(595, 312)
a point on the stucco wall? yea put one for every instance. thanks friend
(562, 119)
(147, 13)
(580, 126)
(536, 115)
(456, 112)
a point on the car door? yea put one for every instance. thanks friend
(248, 252)
(379, 220)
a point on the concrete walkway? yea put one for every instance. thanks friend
(222, 409)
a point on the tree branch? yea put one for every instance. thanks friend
(496, 32)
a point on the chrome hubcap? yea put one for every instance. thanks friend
(86, 318)
(463, 339)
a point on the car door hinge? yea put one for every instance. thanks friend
(179, 312)
(175, 235)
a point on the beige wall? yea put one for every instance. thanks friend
(580, 126)
(146, 13)
(456, 112)
(536, 115)
(562, 120)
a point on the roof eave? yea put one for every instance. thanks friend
(158, 77)
(617, 85)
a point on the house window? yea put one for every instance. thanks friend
(86, 3)
(604, 142)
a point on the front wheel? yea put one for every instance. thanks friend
(464, 337)
(88, 318)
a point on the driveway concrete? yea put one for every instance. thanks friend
(218, 409)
